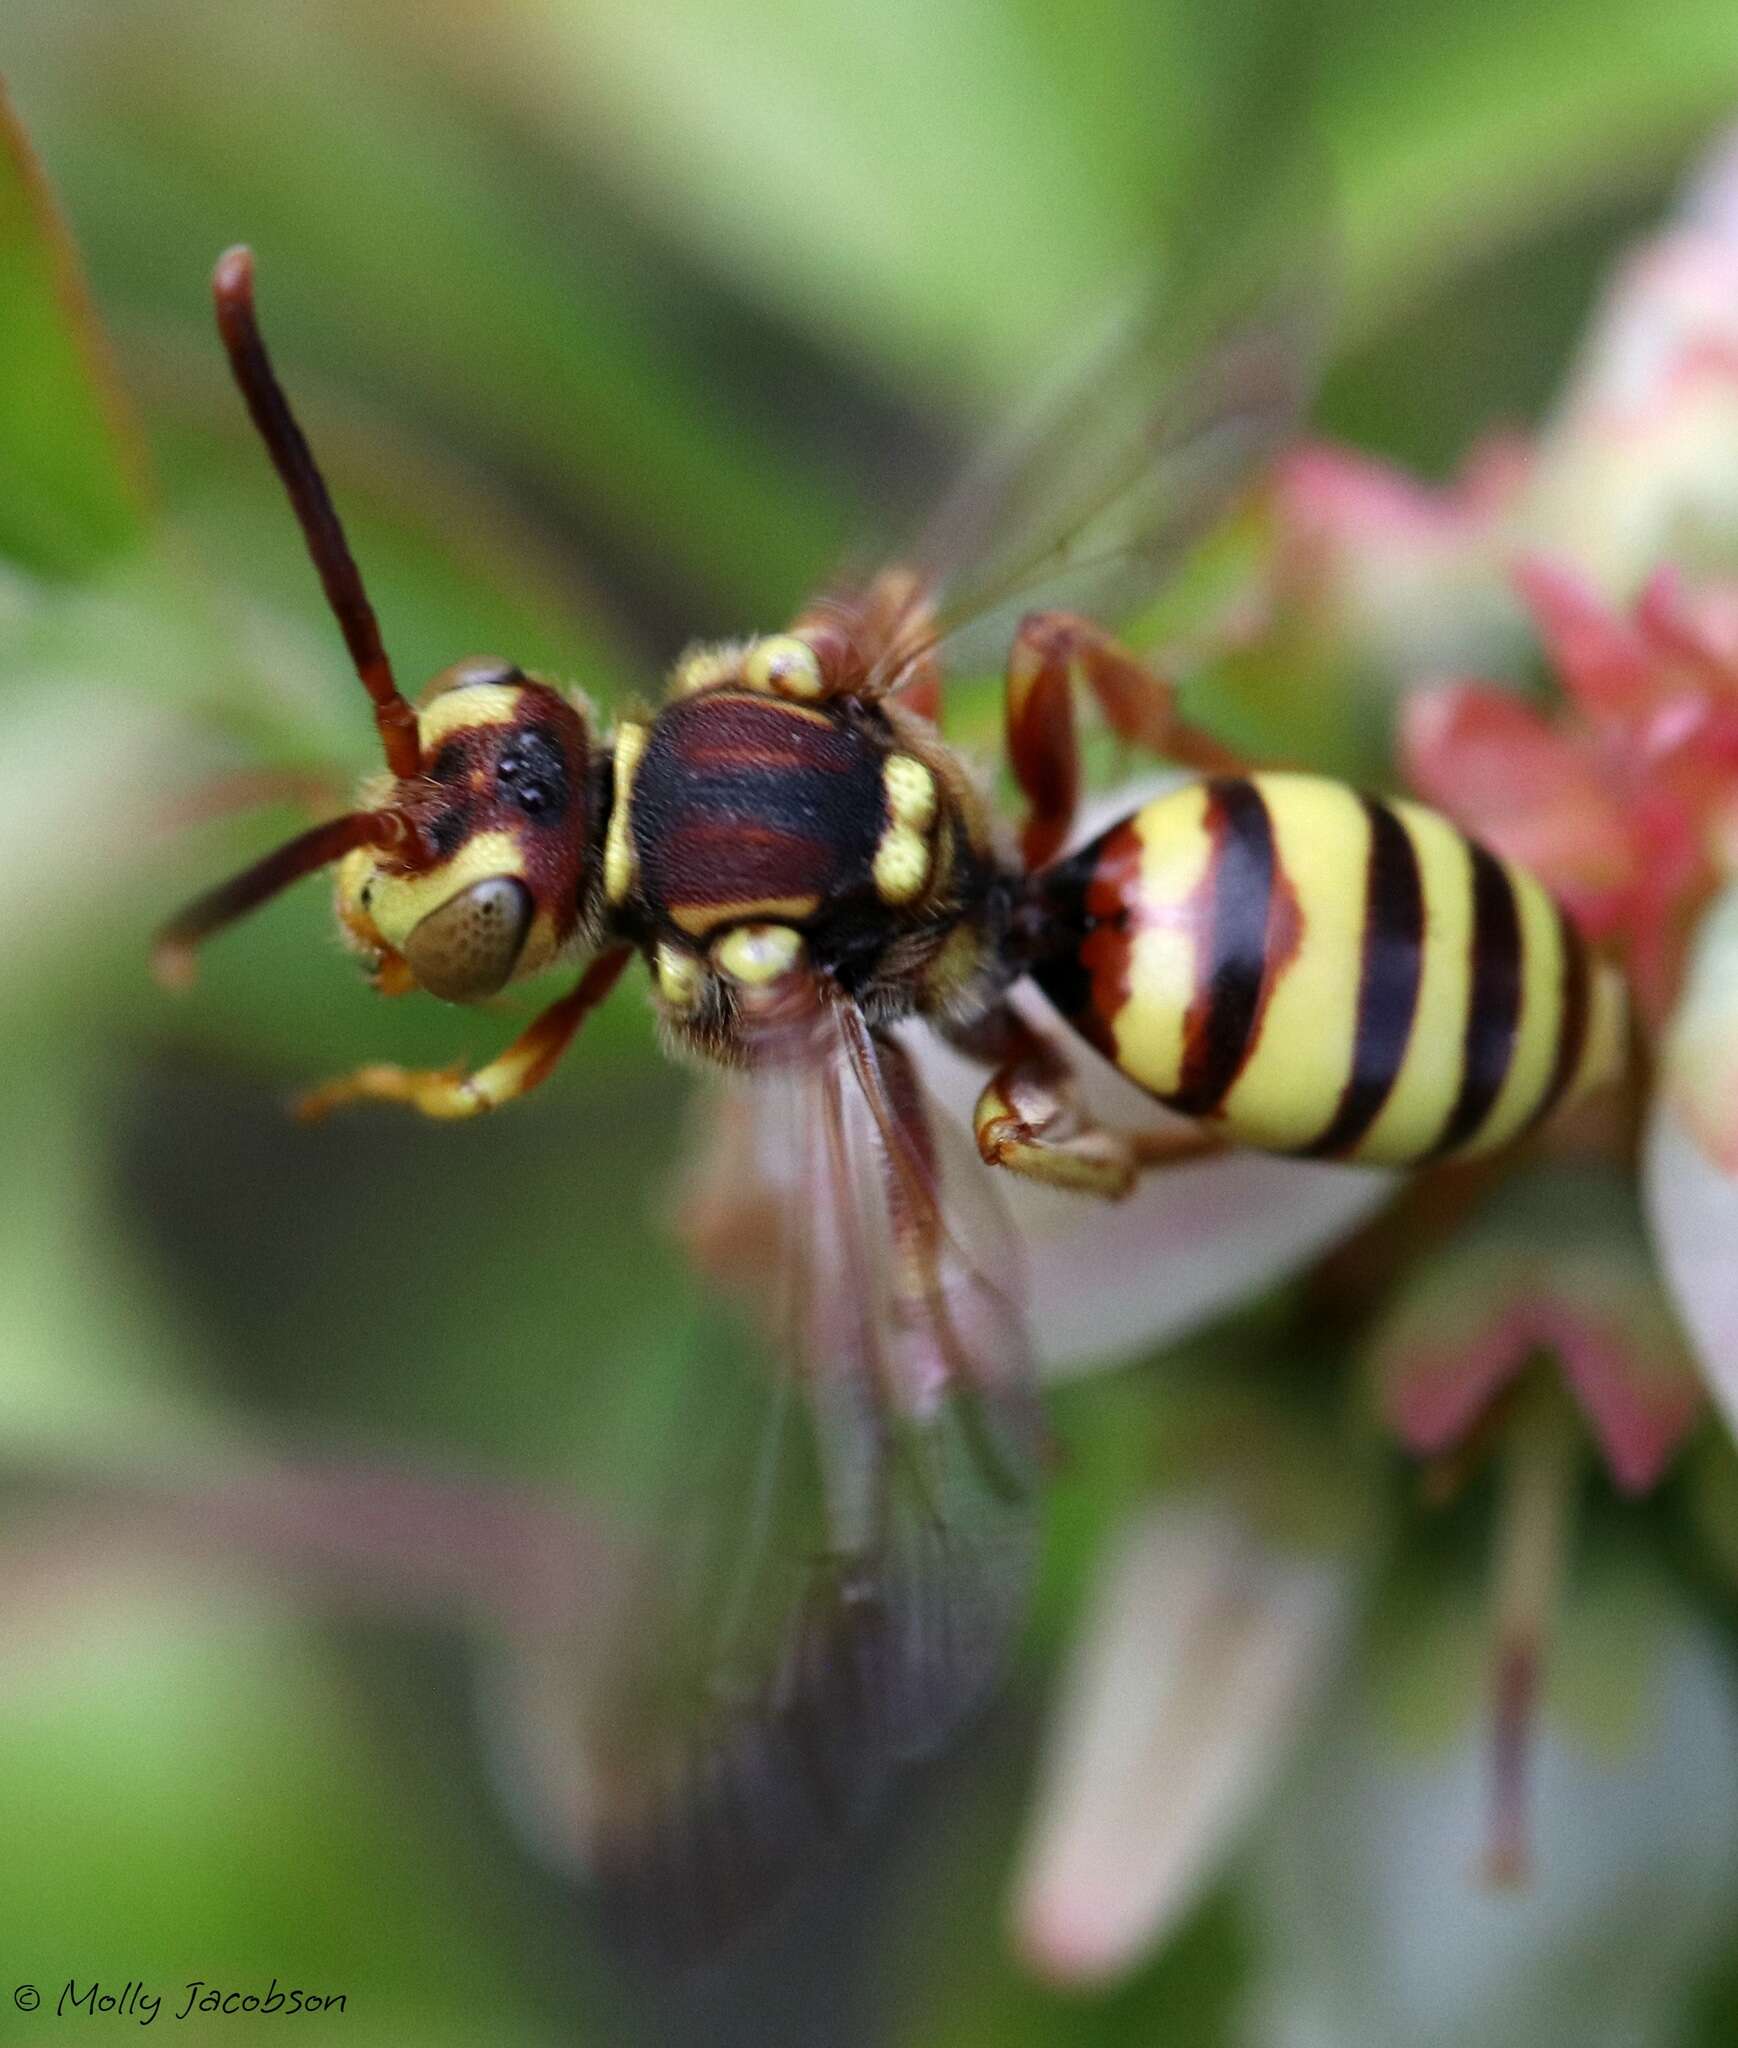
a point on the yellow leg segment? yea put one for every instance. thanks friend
(449, 1092)
(1028, 1121)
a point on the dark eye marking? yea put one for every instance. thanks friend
(451, 762)
(532, 773)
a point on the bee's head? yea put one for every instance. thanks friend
(496, 880)
(467, 862)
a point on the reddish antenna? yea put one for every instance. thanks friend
(173, 950)
(232, 290)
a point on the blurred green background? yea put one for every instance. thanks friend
(612, 325)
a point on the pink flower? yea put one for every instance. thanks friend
(1625, 800)
(1574, 1322)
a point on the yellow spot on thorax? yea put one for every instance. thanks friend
(756, 954)
(781, 665)
(901, 864)
(951, 972)
(910, 789)
(697, 919)
(903, 857)
(700, 668)
(680, 976)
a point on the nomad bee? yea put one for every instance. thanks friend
(804, 866)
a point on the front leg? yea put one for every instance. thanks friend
(1030, 1120)
(1053, 652)
(450, 1092)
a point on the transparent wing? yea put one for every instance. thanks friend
(844, 1549)
(1089, 501)
(1093, 510)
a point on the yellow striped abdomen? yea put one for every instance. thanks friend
(1326, 973)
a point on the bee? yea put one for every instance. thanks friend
(806, 868)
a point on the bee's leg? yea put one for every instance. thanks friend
(1052, 653)
(451, 1092)
(1030, 1120)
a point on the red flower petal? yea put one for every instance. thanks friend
(1557, 1265)
(1436, 1392)
(1640, 1399)
(1603, 659)
(1524, 787)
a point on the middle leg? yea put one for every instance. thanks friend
(1029, 1118)
(1053, 652)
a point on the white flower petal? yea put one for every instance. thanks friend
(1642, 459)
(1195, 1668)
(1700, 1071)
(1693, 1208)
(1186, 1246)
(1110, 1279)
(1379, 1932)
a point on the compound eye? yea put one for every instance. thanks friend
(467, 949)
(474, 672)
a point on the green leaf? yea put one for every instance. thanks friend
(72, 475)
(953, 191)
(196, 1798)
(402, 246)
(1459, 127)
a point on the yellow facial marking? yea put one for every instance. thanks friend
(901, 864)
(756, 954)
(399, 903)
(355, 871)
(680, 976)
(910, 791)
(461, 710)
(699, 668)
(618, 847)
(781, 665)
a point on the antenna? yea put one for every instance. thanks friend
(232, 290)
(173, 950)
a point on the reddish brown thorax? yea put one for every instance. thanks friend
(748, 806)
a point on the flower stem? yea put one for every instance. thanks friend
(1541, 1471)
